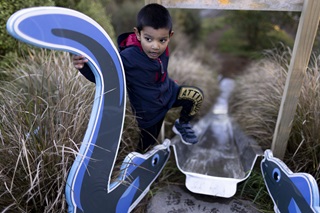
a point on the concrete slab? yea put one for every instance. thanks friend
(177, 199)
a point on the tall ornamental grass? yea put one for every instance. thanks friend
(44, 113)
(256, 101)
(45, 105)
(45, 109)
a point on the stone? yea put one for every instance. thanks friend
(178, 199)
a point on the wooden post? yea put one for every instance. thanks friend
(305, 37)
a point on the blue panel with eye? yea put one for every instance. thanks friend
(88, 186)
(155, 160)
(290, 192)
(276, 174)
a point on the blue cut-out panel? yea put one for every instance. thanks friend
(89, 187)
(290, 192)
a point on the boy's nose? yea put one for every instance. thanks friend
(155, 46)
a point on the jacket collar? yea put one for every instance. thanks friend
(128, 39)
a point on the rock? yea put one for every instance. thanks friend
(177, 199)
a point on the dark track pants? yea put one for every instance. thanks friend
(190, 99)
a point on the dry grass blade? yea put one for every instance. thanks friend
(44, 112)
(256, 101)
(45, 109)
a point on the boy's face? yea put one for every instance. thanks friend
(153, 41)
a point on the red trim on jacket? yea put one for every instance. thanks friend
(132, 40)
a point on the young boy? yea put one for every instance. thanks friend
(152, 93)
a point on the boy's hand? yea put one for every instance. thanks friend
(78, 61)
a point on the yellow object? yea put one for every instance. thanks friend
(224, 1)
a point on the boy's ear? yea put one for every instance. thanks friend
(136, 31)
(171, 34)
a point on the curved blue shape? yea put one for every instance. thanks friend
(290, 192)
(123, 205)
(88, 188)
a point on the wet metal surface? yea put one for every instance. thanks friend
(223, 156)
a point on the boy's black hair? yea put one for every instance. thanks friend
(155, 16)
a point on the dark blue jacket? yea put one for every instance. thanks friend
(151, 91)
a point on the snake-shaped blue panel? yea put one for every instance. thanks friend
(290, 192)
(88, 188)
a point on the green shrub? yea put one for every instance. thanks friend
(188, 22)
(97, 11)
(7, 8)
(260, 30)
(67, 3)
(124, 15)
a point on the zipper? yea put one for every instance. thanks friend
(161, 66)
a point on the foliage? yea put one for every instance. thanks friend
(7, 8)
(254, 189)
(188, 22)
(45, 108)
(255, 27)
(231, 43)
(96, 11)
(305, 135)
(210, 25)
(72, 4)
(256, 103)
(93, 9)
(124, 19)
(44, 112)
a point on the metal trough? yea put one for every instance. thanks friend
(224, 155)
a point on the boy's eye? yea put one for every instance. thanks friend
(163, 40)
(147, 39)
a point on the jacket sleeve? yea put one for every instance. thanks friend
(87, 72)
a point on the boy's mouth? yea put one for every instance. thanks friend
(153, 54)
